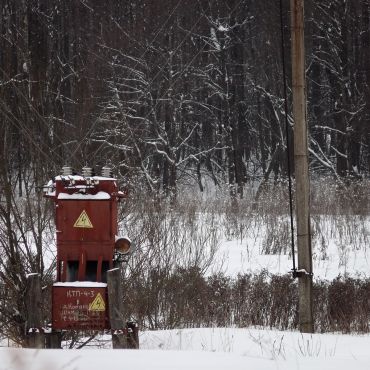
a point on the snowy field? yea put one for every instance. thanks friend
(230, 348)
(216, 349)
(337, 249)
(234, 257)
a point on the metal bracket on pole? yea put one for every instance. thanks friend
(300, 273)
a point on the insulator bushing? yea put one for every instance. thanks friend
(87, 171)
(67, 171)
(106, 172)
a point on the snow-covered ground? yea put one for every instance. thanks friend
(334, 253)
(338, 249)
(221, 348)
(340, 244)
(235, 257)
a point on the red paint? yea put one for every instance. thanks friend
(86, 228)
(71, 308)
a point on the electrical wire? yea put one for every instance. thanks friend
(283, 65)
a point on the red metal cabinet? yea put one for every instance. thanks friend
(86, 227)
(80, 306)
(85, 221)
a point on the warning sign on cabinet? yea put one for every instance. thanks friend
(79, 308)
(97, 304)
(83, 221)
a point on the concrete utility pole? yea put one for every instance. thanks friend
(301, 168)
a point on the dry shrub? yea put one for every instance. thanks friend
(219, 301)
(349, 305)
(330, 196)
(277, 236)
(320, 306)
(167, 281)
(185, 298)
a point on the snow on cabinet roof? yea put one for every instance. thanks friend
(81, 284)
(32, 274)
(101, 195)
(81, 178)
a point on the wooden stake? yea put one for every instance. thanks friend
(35, 335)
(301, 168)
(53, 340)
(115, 303)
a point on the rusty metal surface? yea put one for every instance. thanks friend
(96, 215)
(80, 308)
(86, 226)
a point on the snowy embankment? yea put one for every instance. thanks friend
(236, 349)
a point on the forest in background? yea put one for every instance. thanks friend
(172, 94)
(179, 91)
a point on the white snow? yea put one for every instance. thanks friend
(201, 349)
(69, 178)
(81, 178)
(101, 195)
(335, 252)
(81, 284)
(215, 42)
(32, 274)
(222, 28)
(235, 258)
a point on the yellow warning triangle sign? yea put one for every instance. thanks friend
(97, 304)
(83, 221)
